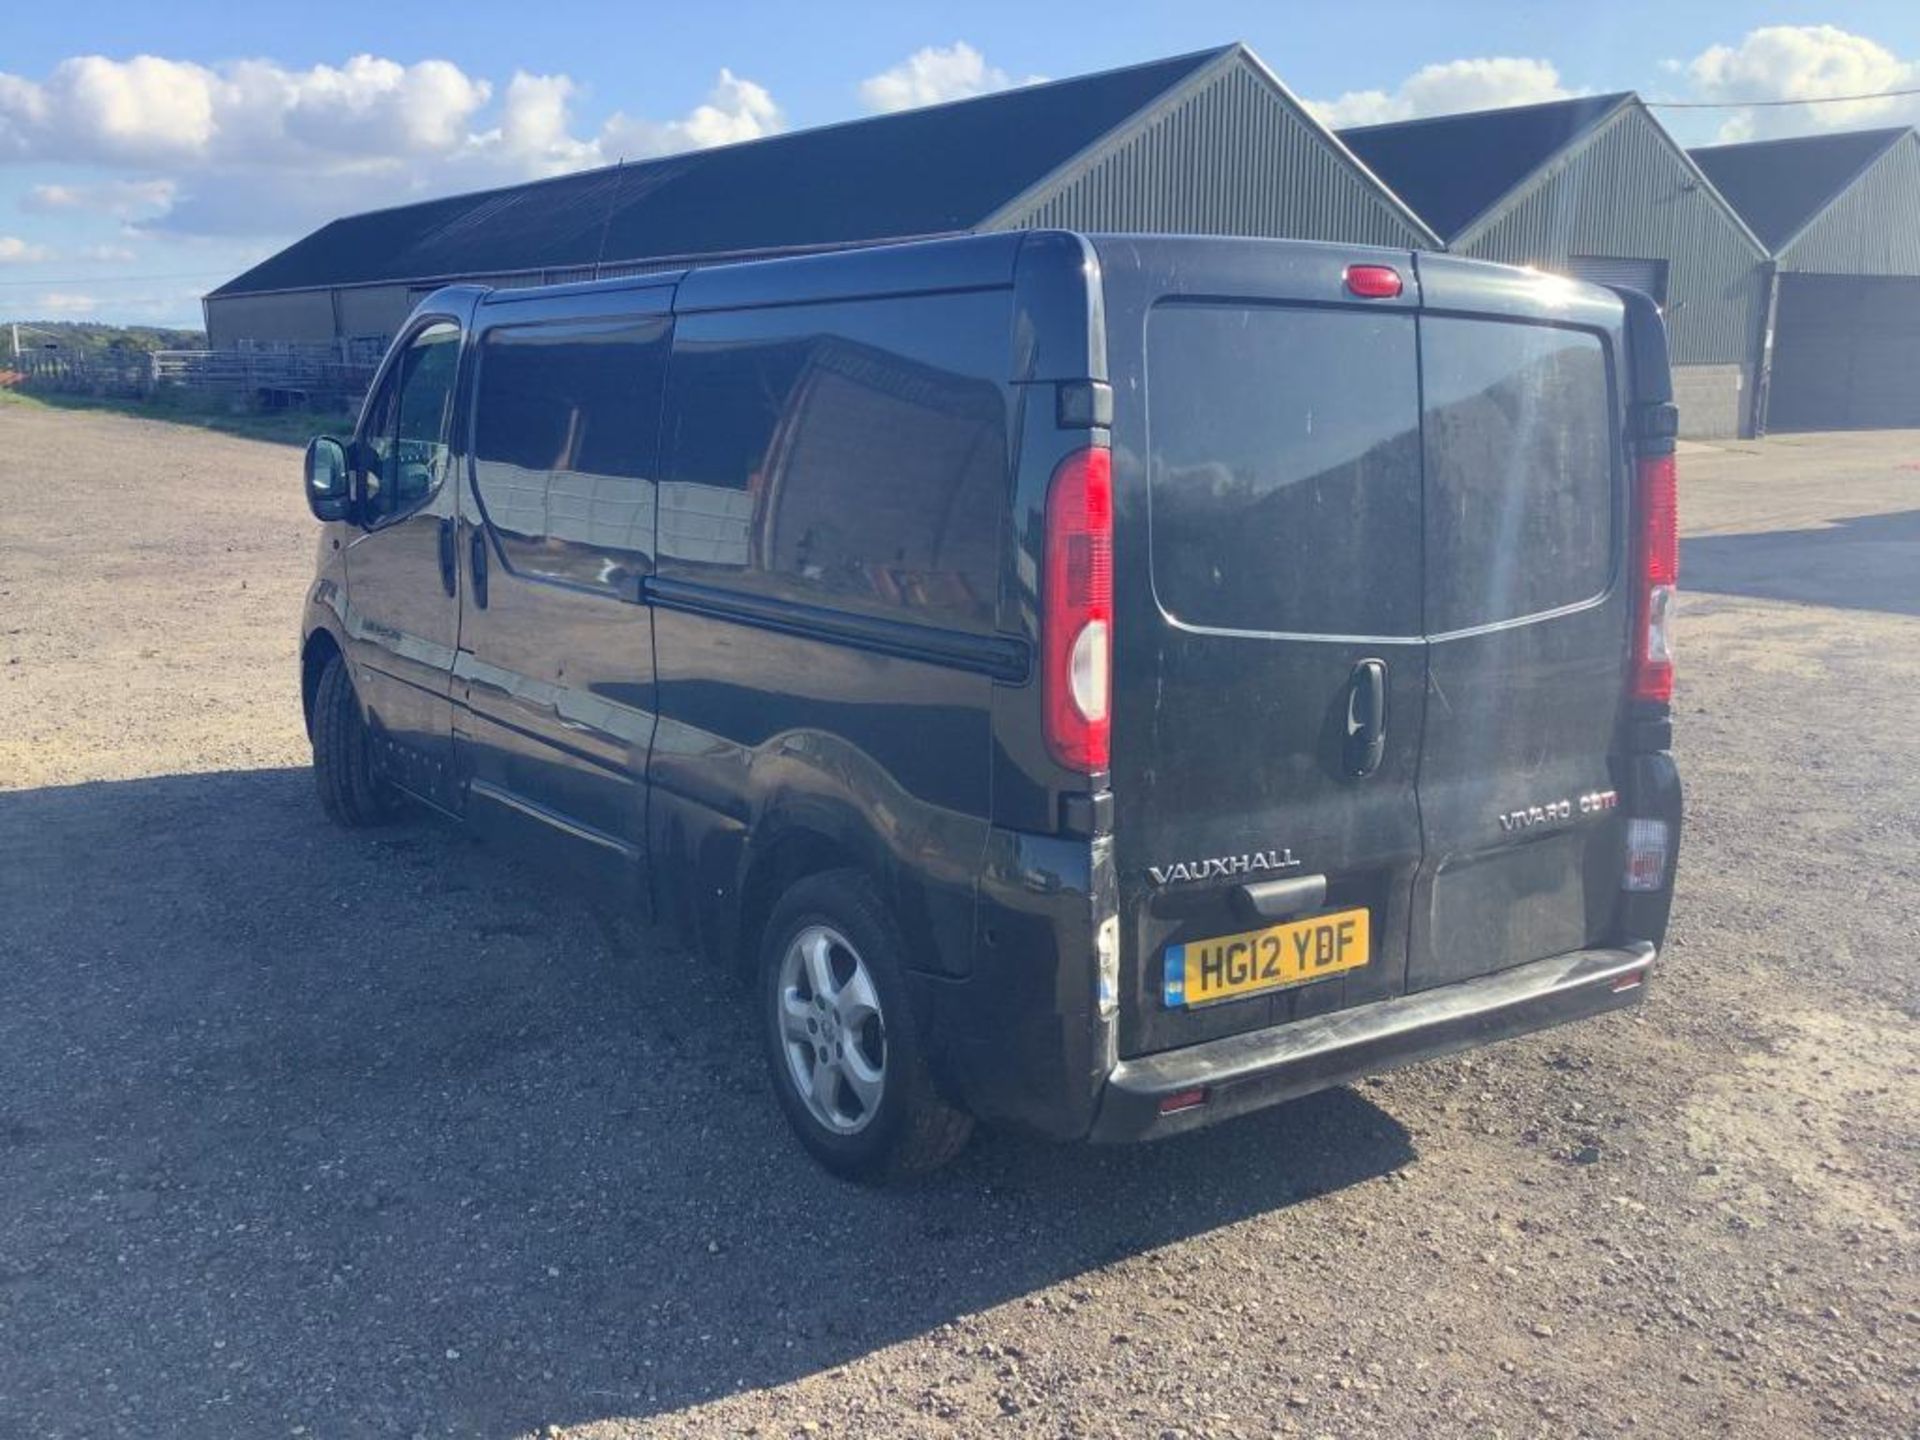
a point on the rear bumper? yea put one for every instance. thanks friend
(1263, 1067)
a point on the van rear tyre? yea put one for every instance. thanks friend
(350, 792)
(842, 1045)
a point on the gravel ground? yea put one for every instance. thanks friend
(304, 1133)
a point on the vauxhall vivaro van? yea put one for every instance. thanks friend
(1103, 684)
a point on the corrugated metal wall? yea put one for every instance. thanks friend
(1233, 158)
(1846, 353)
(304, 317)
(1627, 193)
(371, 309)
(1874, 227)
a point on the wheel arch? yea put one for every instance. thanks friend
(773, 864)
(320, 647)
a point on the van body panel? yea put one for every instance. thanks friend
(825, 643)
(1020, 1038)
(1523, 751)
(1058, 359)
(401, 616)
(979, 262)
(1232, 703)
(555, 665)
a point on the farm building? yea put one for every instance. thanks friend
(1209, 142)
(1595, 187)
(1841, 214)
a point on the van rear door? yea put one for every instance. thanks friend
(1527, 611)
(1269, 661)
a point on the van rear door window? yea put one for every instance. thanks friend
(1520, 470)
(1284, 468)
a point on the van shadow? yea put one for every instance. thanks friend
(381, 1132)
(1868, 562)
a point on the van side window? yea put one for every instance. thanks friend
(853, 453)
(404, 448)
(1284, 468)
(566, 444)
(1519, 455)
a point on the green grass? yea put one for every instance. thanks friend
(280, 427)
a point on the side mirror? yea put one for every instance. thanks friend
(329, 480)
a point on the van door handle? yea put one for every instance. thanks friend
(449, 581)
(1269, 900)
(477, 559)
(1366, 719)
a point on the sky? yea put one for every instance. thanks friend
(150, 152)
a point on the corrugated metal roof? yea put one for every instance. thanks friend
(1627, 192)
(1453, 168)
(919, 172)
(1779, 185)
(1233, 152)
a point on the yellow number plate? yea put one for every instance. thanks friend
(1296, 953)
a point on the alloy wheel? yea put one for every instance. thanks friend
(832, 1029)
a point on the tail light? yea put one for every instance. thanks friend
(1076, 621)
(1657, 554)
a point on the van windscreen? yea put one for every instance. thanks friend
(1284, 468)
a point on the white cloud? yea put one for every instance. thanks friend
(120, 198)
(735, 109)
(935, 74)
(1800, 62)
(15, 251)
(256, 148)
(108, 254)
(535, 134)
(1487, 83)
(155, 111)
(62, 302)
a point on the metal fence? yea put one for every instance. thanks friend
(317, 377)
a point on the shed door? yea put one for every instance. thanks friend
(1846, 353)
(1649, 277)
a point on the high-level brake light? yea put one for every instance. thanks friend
(1657, 556)
(1373, 282)
(1076, 622)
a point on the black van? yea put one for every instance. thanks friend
(1102, 684)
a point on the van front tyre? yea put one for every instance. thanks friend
(843, 1049)
(350, 792)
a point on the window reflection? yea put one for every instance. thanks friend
(826, 464)
(566, 445)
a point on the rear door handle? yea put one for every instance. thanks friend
(1271, 900)
(1366, 719)
(449, 580)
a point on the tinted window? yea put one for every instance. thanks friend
(404, 445)
(566, 442)
(1519, 449)
(845, 453)
(1284, 468)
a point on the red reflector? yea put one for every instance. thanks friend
(1184, 1100)
(1657, 553)
(1076, 617)
(1373, 282)
(1630, 982)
